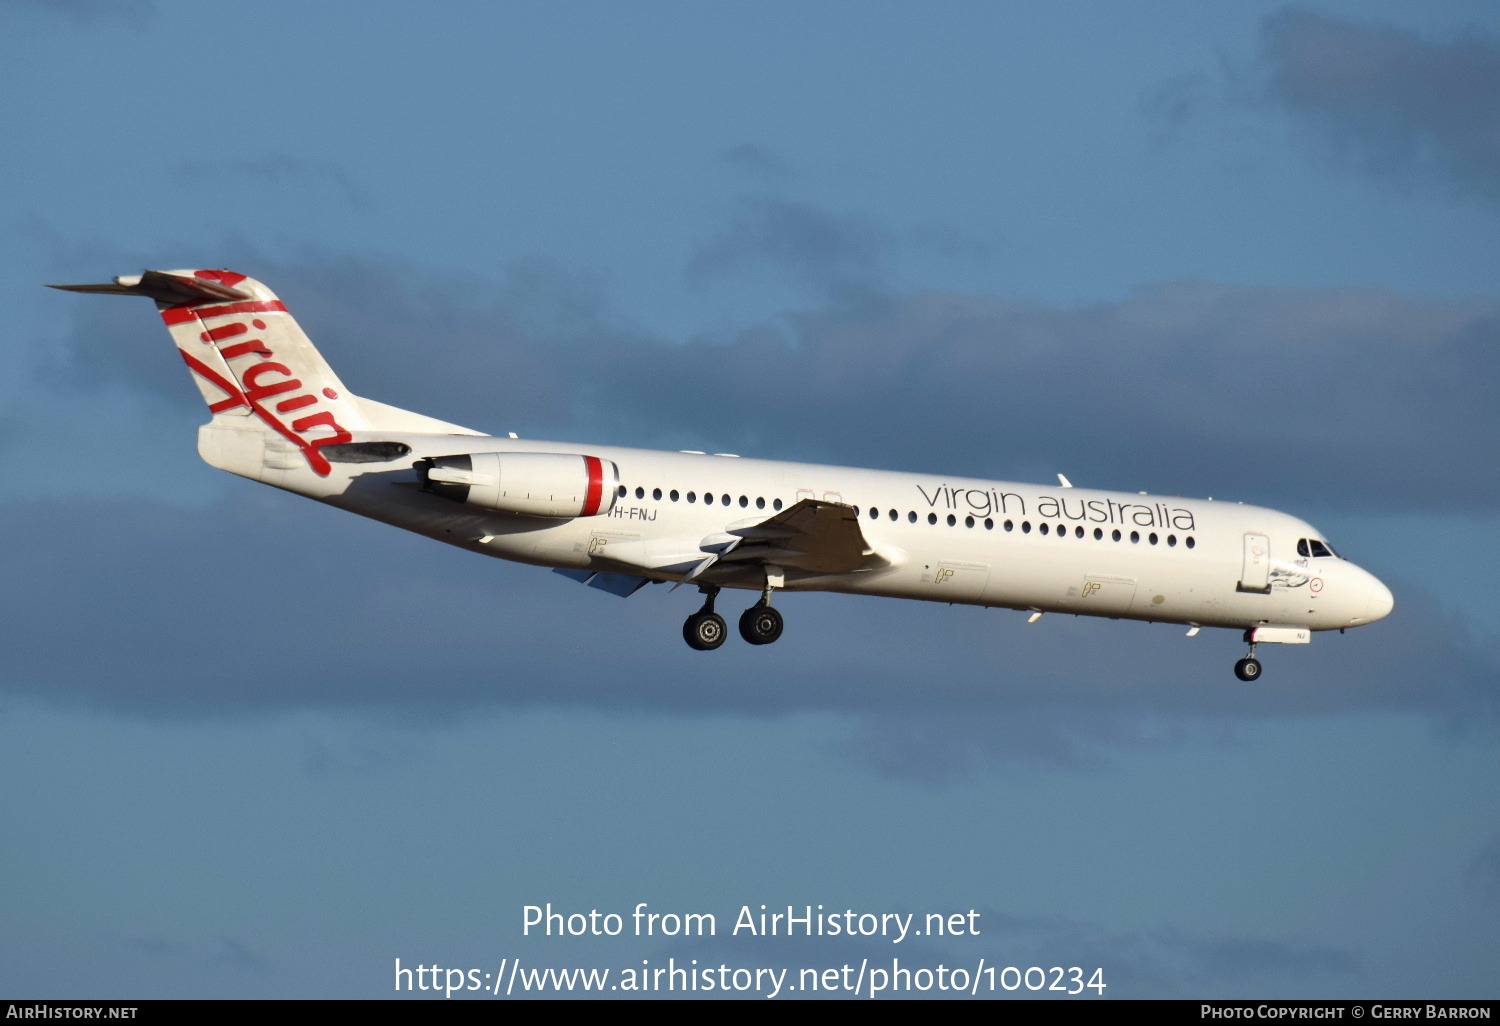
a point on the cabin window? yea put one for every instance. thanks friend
(656, 494)
(692, 496)
(1026, 527)
(1189, 542)
(968, 521)
(1135, 537)
(932, 518)
(911, 517)
(744, 501)
(760, 502)
(623, 490)
(1010, 525)
(952, 520)
(1171, 541)
(1115, 534)
(894, 514)
(989, 524)
(1152, 538)
(640, 493)
(1044, 528)
(1098, 534)
(776, 505)
(1078, 532)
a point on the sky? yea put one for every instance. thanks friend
(251, 746)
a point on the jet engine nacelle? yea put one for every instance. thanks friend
(535, 484)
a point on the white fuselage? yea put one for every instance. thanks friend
(943, 538)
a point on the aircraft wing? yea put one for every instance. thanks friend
(811, 535)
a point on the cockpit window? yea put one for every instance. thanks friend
(1313, 548)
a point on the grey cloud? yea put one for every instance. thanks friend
(845, 254)
(1261, 394)
(757, 160)
(1247, 393)
(1050, 695)
(1170, 962)
(136, 13)
(843, 257)
(1393, 101)
(1171, 105)
(265, 604)
(232, 954)
(1482, 876)
(277, 171)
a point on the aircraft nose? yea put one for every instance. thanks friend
(1381, 602)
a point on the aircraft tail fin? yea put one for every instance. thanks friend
(251, 359)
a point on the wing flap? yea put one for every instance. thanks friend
(812, 535)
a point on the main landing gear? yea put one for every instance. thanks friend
(760, 624)
(1248, 668)
(705, 630)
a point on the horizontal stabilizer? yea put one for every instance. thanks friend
(163, 287)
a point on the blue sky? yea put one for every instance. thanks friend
(251, 746)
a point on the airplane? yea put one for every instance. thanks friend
(618, 519)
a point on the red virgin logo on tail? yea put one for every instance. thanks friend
(263, 380)
(229, 278)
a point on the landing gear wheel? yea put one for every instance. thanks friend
(1247, 668)
(760, 624)
(705, 631)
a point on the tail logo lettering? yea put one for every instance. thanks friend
(263, 380)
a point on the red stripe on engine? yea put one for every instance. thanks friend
(183, 314)
(596, 485)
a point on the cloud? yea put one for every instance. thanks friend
(137, 13)
(1353, 396)
(1259, 394)
(1483, 873)
(276, 171)
(1389, 100)
(843, 254)
(1169, 962)
(845, 258)
(1174, 103)
(265, 604)
(756, 160)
